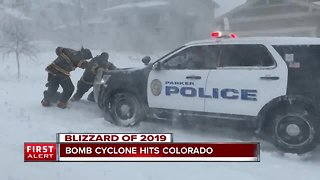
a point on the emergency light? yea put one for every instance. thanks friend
(233, 35)
(216, 34)
(219, 34)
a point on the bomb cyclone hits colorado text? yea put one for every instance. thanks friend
(135, 150)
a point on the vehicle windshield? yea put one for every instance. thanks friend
(167, 55)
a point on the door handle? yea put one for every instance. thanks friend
(194, 77)
(270, 78)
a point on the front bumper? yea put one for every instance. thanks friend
(99, 83)
(102, 81)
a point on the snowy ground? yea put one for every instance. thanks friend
(23, 119)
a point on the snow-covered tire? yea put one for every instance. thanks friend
(295, 131)
(126, 110)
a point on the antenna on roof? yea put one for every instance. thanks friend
(226, 24)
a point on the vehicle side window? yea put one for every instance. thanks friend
(212, 54)
(198, 57)
(307, 56)
(243, 55)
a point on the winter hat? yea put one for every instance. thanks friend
(105, 56)
(86, 53)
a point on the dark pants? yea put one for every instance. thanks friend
(53, 84)
(82, 88)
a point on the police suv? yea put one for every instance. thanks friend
(271, 82)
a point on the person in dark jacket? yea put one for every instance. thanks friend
(59, 74)
(88, 77)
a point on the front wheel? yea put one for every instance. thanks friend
(295, 132)
(126, 110)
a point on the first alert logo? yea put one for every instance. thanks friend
(149, 150)
(40, 152)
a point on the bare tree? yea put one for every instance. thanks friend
(15, 40)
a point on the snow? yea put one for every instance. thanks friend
(146, 4)
(23, 119)
(65, 2)
(14, 13)
(87, 23)
(317, 3)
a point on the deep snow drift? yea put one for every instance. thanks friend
(23, 119)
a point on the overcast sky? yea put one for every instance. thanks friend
(227, 5)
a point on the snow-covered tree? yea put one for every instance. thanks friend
(15, 40)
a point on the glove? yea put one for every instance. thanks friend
(92, 67)
(111, 66)
(83, 64)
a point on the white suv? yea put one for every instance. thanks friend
(273, 83)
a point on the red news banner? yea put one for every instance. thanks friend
(136, 147)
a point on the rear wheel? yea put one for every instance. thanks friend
(295, 131)
(126, 110)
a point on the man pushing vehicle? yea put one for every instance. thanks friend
(87, 80)
(59, 75)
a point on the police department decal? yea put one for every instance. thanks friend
(156, 87)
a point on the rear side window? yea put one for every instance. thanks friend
(245, 55)
(308, 56)
(304, 67)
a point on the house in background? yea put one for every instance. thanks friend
(274, 18)
(13, 3)
(149, 25)
(138, 25)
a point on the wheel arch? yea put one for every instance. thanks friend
(107, 96)
(277, 104)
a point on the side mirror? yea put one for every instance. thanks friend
(156, 66)
(146, 60)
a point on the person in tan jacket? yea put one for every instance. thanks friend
(59, 75)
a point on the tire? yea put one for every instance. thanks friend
(295, 131)
(126, 110)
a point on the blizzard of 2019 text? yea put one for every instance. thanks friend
(114, 138)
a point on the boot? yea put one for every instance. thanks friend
(75, 98)
(61, 105)
(45, 103)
